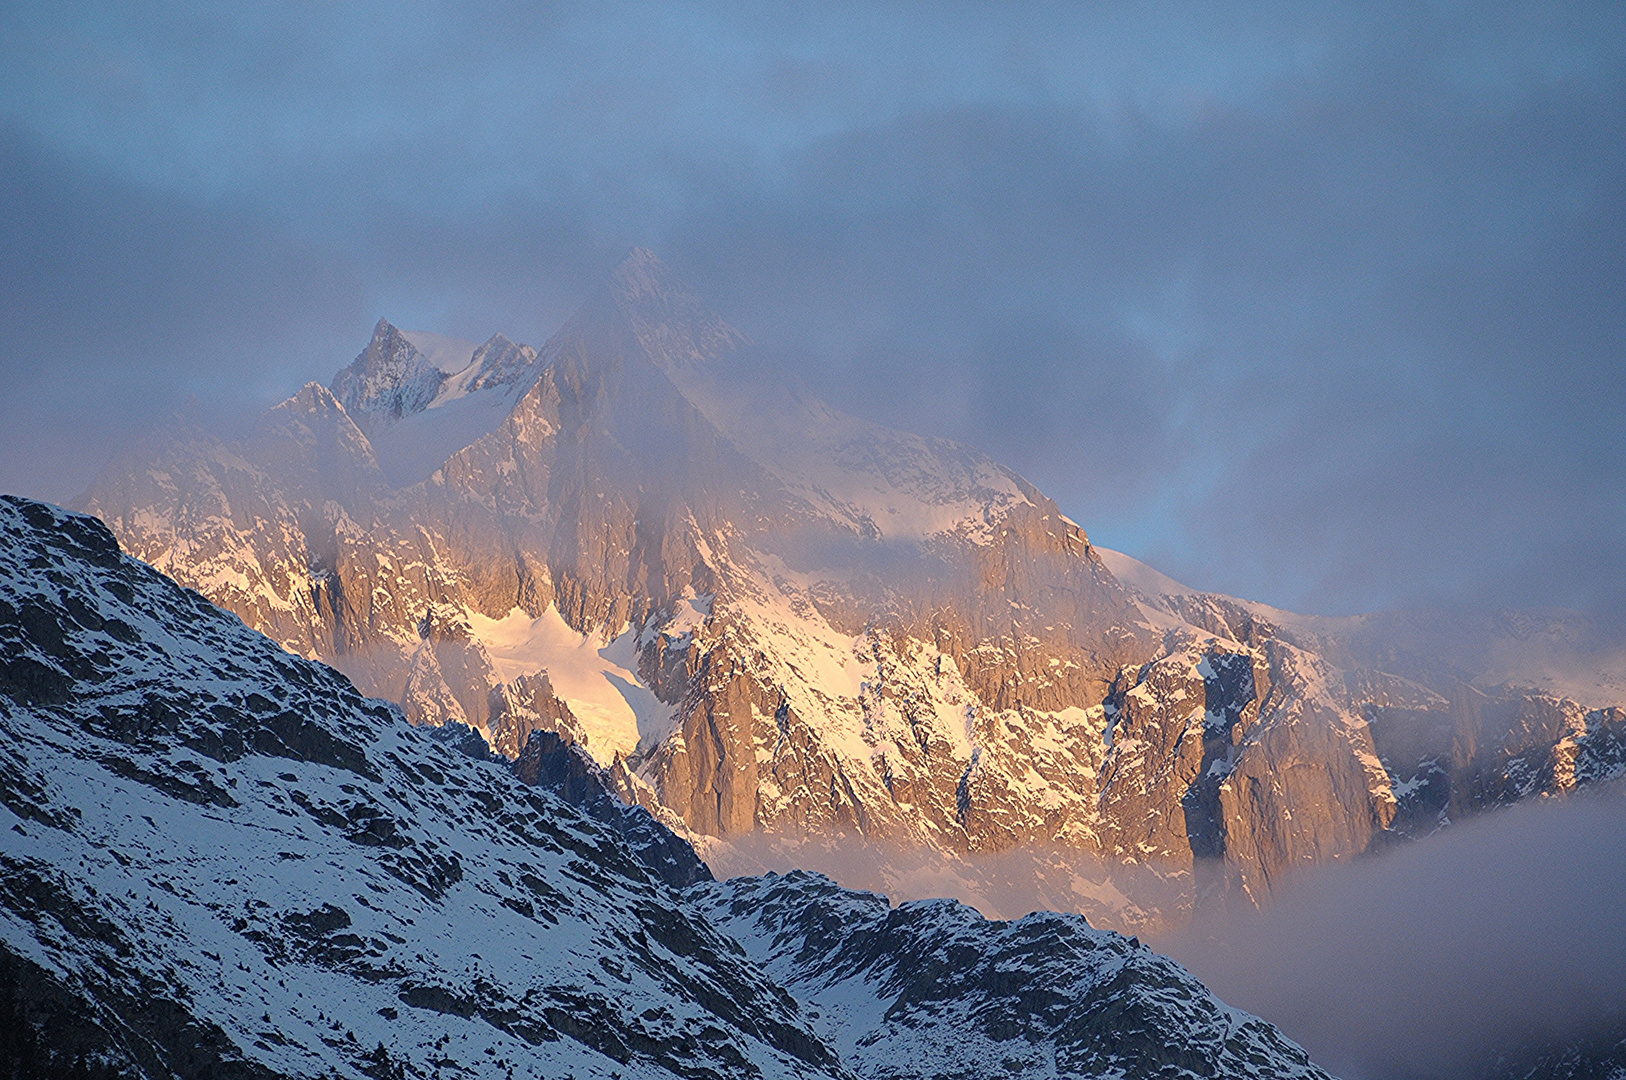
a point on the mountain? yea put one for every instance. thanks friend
(421, 397)
(218, 859)
(389, 380)
(1463, 713)
(931, 988)
(801, 638)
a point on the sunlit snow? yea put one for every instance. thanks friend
(595, 677)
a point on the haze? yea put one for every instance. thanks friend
(1498, 936)
(1320, 306)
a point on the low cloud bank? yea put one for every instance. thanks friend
(1504, 933)
(1003, 885)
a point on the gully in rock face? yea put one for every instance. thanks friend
(776, 626)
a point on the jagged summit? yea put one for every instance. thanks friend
(765, 617)
(389, 380)
(394, 379)
(419, 408)
(497, 363)
(313, 398)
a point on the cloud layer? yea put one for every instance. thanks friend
(1319, 307)
(1501, 936)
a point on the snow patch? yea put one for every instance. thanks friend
(596, 677)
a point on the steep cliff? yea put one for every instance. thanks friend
(771, 620)
(219, 860)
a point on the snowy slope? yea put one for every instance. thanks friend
(932, 989)
(1141, 577)
(219, 860)
(875, 481)
(242, 867)
(597, 678)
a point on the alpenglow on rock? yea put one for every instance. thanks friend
(219, 859)
(778, 626)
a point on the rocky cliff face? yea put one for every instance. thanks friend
(1400, 756)
(770, 620)
(220, 860)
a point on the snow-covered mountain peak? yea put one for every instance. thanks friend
(389, 380)
(418, 408)
(497, 364)
(312, 399)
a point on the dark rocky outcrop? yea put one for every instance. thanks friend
(551, 761)
(932, 989)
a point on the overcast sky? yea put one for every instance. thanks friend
(1321, 305)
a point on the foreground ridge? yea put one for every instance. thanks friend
(220, 860)
(931, 988)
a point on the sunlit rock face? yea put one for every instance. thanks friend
(218, 859)
(775, 624)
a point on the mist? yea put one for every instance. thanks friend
(1503, 933)
(1000, 885)
(1314, 305)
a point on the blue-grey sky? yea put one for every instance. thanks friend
(1319, 304)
